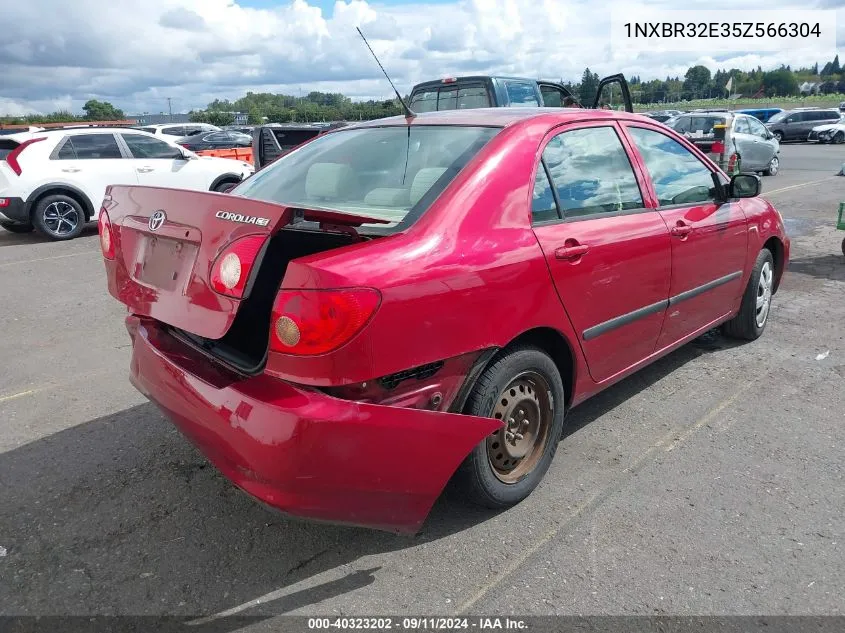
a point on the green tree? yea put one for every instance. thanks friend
(780, 83)
(589, 87)
(102, 111)
(697, 81)
(834, 66)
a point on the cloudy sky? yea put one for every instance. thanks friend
(55, 54)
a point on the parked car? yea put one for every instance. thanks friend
(485, 91)
(215, 140)
(524, 259)
(829, 133)
(761, 114)
(271, 141)
(793, 125)
(662, 116)
(54, 180)
(178, 130)
(243, 129)
(745, 140)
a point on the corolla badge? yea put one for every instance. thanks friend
(157, 219)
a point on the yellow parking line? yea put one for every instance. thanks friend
(18, 395)
(44, 259)
(803, 184)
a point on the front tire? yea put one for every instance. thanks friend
(779, 136)
(523, 388)
(774, 167)
(16, 228)
(754, 311)
(838, 138)
(58, 217)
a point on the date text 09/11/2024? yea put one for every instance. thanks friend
(418, 623)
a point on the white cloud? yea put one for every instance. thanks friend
(137, 55)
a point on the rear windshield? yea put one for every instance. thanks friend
(450, 97)
(6, 146)
(392, 173)
(697, 126)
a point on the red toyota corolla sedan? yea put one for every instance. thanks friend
(403, 302)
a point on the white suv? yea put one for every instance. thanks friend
(55, 180)
(178, 130)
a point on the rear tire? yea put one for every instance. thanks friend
(522, 386)
(17, 228)
(58, 217)
(754, 311)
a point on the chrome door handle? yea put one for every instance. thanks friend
(145, 170)
(71, 170)
(681, 230)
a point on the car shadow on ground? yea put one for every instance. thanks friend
(822, 267)
(34, 237)
(122, 515)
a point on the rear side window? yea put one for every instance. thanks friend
(174, 131)
(6, 147)
(451, 97)
(826, 115)
(66, 152)
(147, 147)
(425, 101)
(94, 146)
(151, 130)
(741, 125)
(591, 172)
(521, 94)
(678, 176)
(543, 205)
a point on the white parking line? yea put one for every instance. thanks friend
(666, 443)
(44, 259)
(18, 395)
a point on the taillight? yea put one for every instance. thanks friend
(310, 322)
(732, 163)
(12, 157)
(230, 271)
(106, 236)
(718, 148)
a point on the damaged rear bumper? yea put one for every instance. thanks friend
(302, 451)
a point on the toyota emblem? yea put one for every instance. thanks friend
(157, 219)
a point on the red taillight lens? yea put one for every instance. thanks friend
(731, 163)
(12, 157)
(106, 236)
(718, 148)
(231, 270)
(310, 322)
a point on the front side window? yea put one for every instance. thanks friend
(521, 93)
(757, 128)
(148, 147)
(552, 96)
(94, 146)
(392, 173)
(678, 176)
(591, 172)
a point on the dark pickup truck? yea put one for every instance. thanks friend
(485, 91)
(271, 141)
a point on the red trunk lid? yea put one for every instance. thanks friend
(161, 270)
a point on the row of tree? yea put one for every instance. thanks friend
(697, 83)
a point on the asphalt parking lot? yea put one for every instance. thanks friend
(712, 482)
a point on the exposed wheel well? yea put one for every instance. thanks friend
(558, 348)
(775, 247)
(81, 198)
(224, 178)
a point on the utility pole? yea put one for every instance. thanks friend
(169, 109)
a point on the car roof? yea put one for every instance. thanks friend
(496, 117)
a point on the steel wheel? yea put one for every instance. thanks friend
(764, 294)
(60, 218)
(524, 405)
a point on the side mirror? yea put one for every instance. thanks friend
(745, 186)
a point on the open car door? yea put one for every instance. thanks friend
(613, 90)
